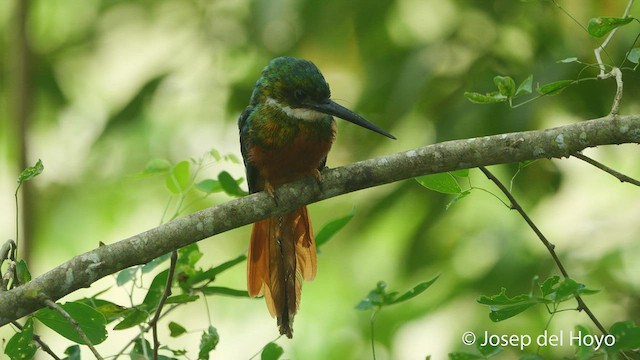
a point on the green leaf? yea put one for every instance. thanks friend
(109, 310)
(600, 26)
(156, 166)
(627, 335)
(21, 345)
(73, 352)
(634, 55)
(209, 186)
(506, 85)
(215, 154)
(126, 275)
(568, 60)
(156, 289)
(548, 286)
(525, 87)
(443, 183)
(176, 329)
(208, 343)
(487, 350)
(457, 198)
(375, 298)
(134, 317)
(182, 299)
(229, 185)
(177, 179)
(220, 290)
(463, 173)
(332, 227)
(555, 87)
(415, 291)
(489, 98)
(503, 307)
(583, 352)
(30, 172)
(271, 351)
(154, 263)
(22, 271)
(90, 321)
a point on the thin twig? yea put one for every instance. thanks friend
(620, 176)
(37, 339)
(52, 305)
(550, 247)
(167, 292)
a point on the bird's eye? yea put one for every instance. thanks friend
(298, 95)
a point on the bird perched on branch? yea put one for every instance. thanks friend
(285, 134)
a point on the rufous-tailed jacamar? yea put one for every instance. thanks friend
(285, 134)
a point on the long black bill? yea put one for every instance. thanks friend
(331, 108)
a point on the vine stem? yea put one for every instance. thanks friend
(550, 247)
(165, 295)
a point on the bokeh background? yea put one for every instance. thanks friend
(111, 85)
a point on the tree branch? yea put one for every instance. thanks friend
(81, 271)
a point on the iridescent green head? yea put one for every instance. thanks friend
(298, 88)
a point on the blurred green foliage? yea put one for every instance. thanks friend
(115, 84)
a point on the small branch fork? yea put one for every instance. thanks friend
(550, 247)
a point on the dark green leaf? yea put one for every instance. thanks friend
(156, 289)
(442, 183)
(21, 345)
(627, 336)
(506, 85)
(415, 291)
(634, 55)
(503, 299)
(219, 290)
(229, 185)
(548, 286)
(209, 186)
(177, 180)
(503, 307)
(555, 87)
(156, 166)
(600, 26)
(525, 87)
(271, 351)
(176, 329)
(90, 321)
(375, 298)
(182, 299)
(30, 172)
(22, 271)
(489, 98)
(141, 350)
(208, 343)
(73, 353)
(134, 317)
(331, 228)
(488, 350)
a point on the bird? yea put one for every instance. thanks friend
(286, 132)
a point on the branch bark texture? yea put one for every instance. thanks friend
(83, 270)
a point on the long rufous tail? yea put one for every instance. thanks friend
(282, 253)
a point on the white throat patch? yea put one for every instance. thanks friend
(298, 113)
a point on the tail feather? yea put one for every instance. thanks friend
(282, 253)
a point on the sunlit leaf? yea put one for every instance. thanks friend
(506, 85)
(489, 98)
(568, 60)
(209, 186)
(156, 166)
(90, 321)
(177, 179)
(30, 172)
(442, 182)
(600, 26)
